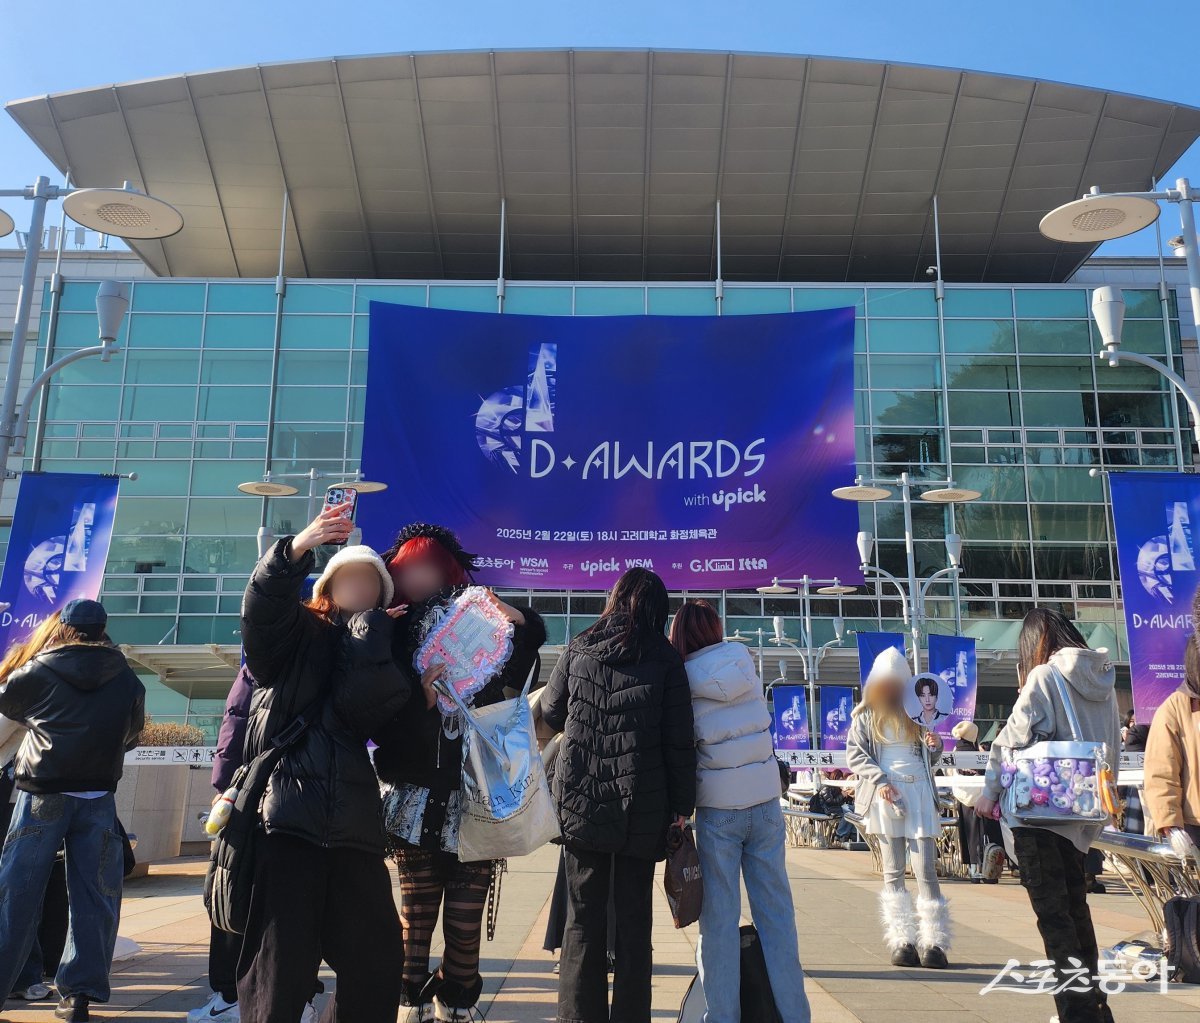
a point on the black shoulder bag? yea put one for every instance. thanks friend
(230, 880)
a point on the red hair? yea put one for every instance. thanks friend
(696, 626)
(322, 606)
(424, 548)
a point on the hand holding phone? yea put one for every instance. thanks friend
(342, 500)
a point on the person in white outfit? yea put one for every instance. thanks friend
(739, 822)
(892, 757)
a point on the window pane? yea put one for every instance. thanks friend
(161, 367)
(984, 408)
(756, 300)
(241, 298)
(150, 515)
(316, 332)
(234, 367)
(978, 302)
(233, 404)
(1145, 336)
(1051, 374)
(992, 372)
(1052, 337)
(804, 299)
(87, 372)
(1142, 303)
(308, 442)
(915, 408)
(1049, 483)
(223, 516)
(1071, 561)
(78, 296)
(157, 477)
(982, 521)
(1068, 521)
(1133, 410)
(915, 301)
(1128, 376)
(907, 371)
(681, 301)
(478, 298)
(326, 404)
(164, 331)
(915, 448)
(397, 294)
(1052, 408)
(1052, 302)
(228, 330)
(76, 404)
(327, 368)
(609, 301)
(904, 336)
(217, 556)
(167, 297)
(995, 483)
(318, 298)
(145, 555)
(980, 336)
(542, 301)
(159, 404)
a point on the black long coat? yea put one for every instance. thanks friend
(627, 763)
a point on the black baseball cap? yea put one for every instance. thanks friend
(83, 614)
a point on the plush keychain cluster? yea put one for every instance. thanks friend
(1063, 784)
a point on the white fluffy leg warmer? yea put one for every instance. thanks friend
(935, 930)
(899, 918)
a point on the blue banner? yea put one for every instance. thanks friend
(836, 704)
(1156, 555)
(57, 547)
(564, 450)
(953, 672)
(790, 712)
(871, 645)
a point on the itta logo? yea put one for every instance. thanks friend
(506, 417)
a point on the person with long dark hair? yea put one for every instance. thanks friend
(419, 762)
(321, 886)
(1051, 860)
(740, 831)
(626, 771)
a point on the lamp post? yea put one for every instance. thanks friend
(1103, 216)
(912, 598)
(123, 212)
(810, 657)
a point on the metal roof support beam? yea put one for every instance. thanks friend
(500, 275)
(720, 281)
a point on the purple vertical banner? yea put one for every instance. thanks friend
(871, 645)
(836, 704)
(1156, 555)
(945, 694)
(791, 717)
(57, 547)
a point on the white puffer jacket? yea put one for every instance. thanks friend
(735, 758)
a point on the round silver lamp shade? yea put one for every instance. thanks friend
(124, 213)
(362, 486)
(777, 587)
(6, 224)
(261, 488)
(951, 495)
(1099, 218)
(837, 590)
(737, 637)
(858, 492)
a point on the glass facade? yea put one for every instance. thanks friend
(1001, 392)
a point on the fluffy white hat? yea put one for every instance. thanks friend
(966, 730)
(891, 663)
(359, 555)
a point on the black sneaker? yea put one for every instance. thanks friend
(934, 959)
(74, 1008)
(906, 955)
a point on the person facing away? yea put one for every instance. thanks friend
(626, 770)
(1172, 763)
(83, 707)
(740, 830)
(321, 888)
(419, 762)
(1051, 860)
(891, 755)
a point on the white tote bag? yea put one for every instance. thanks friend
(506, 805)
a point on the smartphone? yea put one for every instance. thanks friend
(345, 499)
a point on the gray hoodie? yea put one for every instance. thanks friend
(1039, 714)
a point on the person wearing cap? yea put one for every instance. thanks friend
(892, 757)
(83, 707)
(321, 887)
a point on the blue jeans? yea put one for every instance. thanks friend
(95, 867)
(746, 843)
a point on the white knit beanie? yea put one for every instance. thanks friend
(890, 663)
(359, 555)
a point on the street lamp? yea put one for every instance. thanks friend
(269, 487)
(1101, 216)
(912, 599)
(123, 212)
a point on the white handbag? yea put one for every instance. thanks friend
(506, 805)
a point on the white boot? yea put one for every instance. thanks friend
(899, 926)
(935, 934)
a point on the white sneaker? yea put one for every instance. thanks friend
(33, 993)
(309, 1015)
(216, 1008)
(448, 1014)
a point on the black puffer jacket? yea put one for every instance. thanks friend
(84, 707)
(324, 789)
(627, 762)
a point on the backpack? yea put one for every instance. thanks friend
(1181, 917)
(757, 999)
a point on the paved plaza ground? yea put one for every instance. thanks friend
(835, 897)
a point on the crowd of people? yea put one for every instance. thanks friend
(655, 728)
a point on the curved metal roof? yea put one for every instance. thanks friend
(611, 163)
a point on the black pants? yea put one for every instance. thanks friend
(310, 904)
(1052, 872)
(556, 922)
(583, 973)
(223, 952)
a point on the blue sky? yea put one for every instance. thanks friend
(1106, 43)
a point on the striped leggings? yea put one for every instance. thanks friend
(433, 882)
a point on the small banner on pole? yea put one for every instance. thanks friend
(836, 704)
(791, 717)
(57, 547)
(945, 695)
(871, 645)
